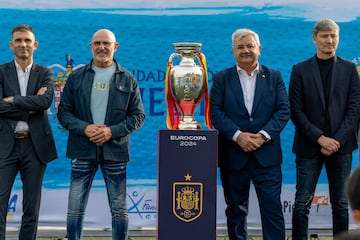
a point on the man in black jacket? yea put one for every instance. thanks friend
(324, 97)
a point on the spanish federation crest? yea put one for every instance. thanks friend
(187, 200)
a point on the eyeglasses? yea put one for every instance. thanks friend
(105, 44)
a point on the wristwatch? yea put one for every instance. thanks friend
(264, 137)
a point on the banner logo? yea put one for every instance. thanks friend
(187, 200)
(11, 207)
(320, 200)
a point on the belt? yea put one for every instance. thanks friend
(22, 135)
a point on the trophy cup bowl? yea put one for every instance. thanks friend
(187, 83)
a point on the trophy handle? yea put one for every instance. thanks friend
(172, 56)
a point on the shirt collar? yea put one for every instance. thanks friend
(19, 68)
(240, 70)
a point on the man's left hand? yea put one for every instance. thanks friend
(101, 135)
(9, 99)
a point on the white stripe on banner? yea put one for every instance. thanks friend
(142, 208)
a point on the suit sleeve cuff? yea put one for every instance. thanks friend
(236, 134)
(266, 135)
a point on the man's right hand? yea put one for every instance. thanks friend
(328, 145)
(98, 133)
(248, 141)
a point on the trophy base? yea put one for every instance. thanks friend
(188, 123)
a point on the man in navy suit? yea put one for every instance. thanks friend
(324, 97)
(249, 107)
(26, 142)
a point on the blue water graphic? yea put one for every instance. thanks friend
(145, 45)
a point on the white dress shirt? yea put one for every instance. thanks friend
(23, 78)
(248, 84)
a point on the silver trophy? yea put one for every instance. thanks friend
(187, 84)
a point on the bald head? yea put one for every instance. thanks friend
(103, 46)
(104, 33)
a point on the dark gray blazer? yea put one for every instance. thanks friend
(308, 105)
(10, 113)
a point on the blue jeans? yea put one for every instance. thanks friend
(308, 170)
(82, 175)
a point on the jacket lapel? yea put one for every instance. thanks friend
(260, 85)
(32, 80)
(235, 87)
(12, 78)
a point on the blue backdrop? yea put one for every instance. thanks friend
(146, 37)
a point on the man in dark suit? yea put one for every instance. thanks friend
(26, 142)
(324, 97)
(249, 107)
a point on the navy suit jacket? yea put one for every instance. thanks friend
(10, 113)
(308, 105)
(270, 113)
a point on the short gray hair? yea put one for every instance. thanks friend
(243, 32)
(324, 25)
